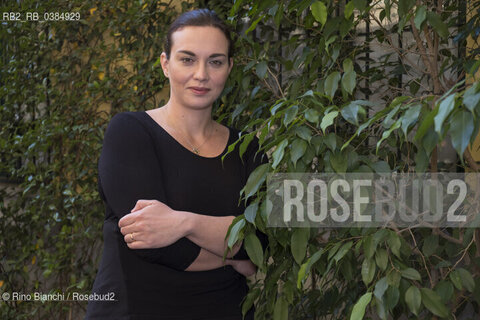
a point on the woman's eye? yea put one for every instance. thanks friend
(186, 60)
(216, 62)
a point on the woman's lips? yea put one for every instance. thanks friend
(199, 90)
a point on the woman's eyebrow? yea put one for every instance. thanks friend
(215, 55)
(190, 53)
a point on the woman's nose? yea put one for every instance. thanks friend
(201, 73)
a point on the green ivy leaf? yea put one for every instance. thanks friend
(254, 24)
(304, 132)
(411, 274)
(381, 167)
(404, 7)
(471, 98)
(251, 212)
(254, 249)
(430, 245)
(249, 300)
(461, 129)
(331, 141)
(413, 298)
(421, 160)
(445, 290)
(420, 16)
(277, 106)
(347, 65)
(319, 11)
(236, 7)
(393, 278)
(349, 9)
(305, 268)
(410, 117)
(256, 178)
(157, 62)
(343, 251)
(279, 152)
(437, 23)
(349, 81)
(280, 312)
(312, 115)
(246, 141)
(261, 69)
(235, 232)
(369, 246)
(381, 309)
(358, 310)
(339, 162)
(392, 297)
(331, 84)
(368, 270)
(381, 258)
(389, 121)
(388, 132)
(298, 150)
(456, 279)
(432, 302)
(380, 288)
(430, 141)
(395, 243)
(350, 112)
(467, 279)
(299, 244)
(426, 124)
(327, 120)
(290, 114)
(445, 107)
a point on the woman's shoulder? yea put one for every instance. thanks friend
(127, 125)
(128, 117)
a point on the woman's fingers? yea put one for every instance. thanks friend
(129, 229)
(132, 237)
(136, 240)
(142, 204)
(138, 245)
(158, 224)
(128, 219)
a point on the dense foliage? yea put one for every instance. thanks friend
(323, 100)
(59, 80)
(309, 82)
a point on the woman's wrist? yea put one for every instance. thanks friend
(187, 222)
(230, 262)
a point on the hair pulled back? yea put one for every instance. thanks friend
(197, 18)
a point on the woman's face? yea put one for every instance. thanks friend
(198, 66)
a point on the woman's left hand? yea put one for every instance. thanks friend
(152, 224)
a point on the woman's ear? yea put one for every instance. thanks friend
(230, 65)
(164, 63)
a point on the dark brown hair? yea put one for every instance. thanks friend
(198, 18)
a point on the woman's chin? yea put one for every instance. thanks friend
(199, 105)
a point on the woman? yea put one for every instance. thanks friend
(163, 258)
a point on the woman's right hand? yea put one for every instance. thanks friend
(244, 267)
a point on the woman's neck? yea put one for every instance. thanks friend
(196, 124)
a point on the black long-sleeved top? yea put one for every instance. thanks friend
(140, 160)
